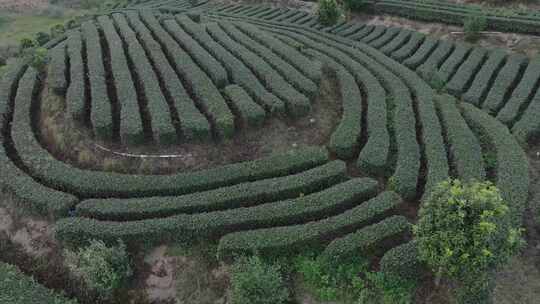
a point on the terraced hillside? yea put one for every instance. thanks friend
(138, 75)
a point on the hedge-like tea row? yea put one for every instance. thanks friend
(32, 194)
(375, 154)
(464, 149)
(450, 65)
(435, 154)
(291, 239)
(57, 69)
(422, 53)
(377, 32)
(155, 104)
(76, 92)
(240, 195)
(296, 104)
(388, 36)
(408, 163)
(365, 239)
(439, 55)
(239, 73)
(101, 115)
(481, 83)
(204, 92)
(408, 48)
(355, 27)
(214, 224)
(506, 81)
(87, 183)
(131, 127)
(400, 40)
(206, 61)
(466, 72)
(312, 70)
(522, 94)
(18, 288)
(246, 110)
(402, 261)
(287, 71)
(192, 124)
(451, 13)
(8, 90)
(511, 169)
(344, 141)
(363, 32)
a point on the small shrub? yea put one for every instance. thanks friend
(465, 232)
(101, 268)
(329, 12)
(473, 25)
(36, 58)
(256, 282)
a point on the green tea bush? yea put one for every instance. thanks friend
(101, 268)
(473, 25)
(465, 232)
(42, 38)
(329, 12)
(256, 282)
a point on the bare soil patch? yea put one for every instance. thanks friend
(22, 5)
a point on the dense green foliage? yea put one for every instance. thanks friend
(257, 282)
(473, 25)
(465, 232)
(102, 269)
(17, 288)
(328, 12)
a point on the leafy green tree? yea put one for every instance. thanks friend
(465, 232)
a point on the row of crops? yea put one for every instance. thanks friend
(504, 85)
(251, 61)
(133, 79)
(511, 20)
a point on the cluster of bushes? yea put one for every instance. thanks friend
(17, 288)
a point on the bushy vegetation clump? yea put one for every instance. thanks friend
(473, 25)
(465, 232)
(255, 281)
(329, 12)
(352, 281)
(101, 268)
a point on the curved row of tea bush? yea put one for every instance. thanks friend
(30, 194)
(453, 13)
(292, 239)
(85, 183)
(186, 227)
(236, 196)
(511, 168)
(367, 238)
(459, 71)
